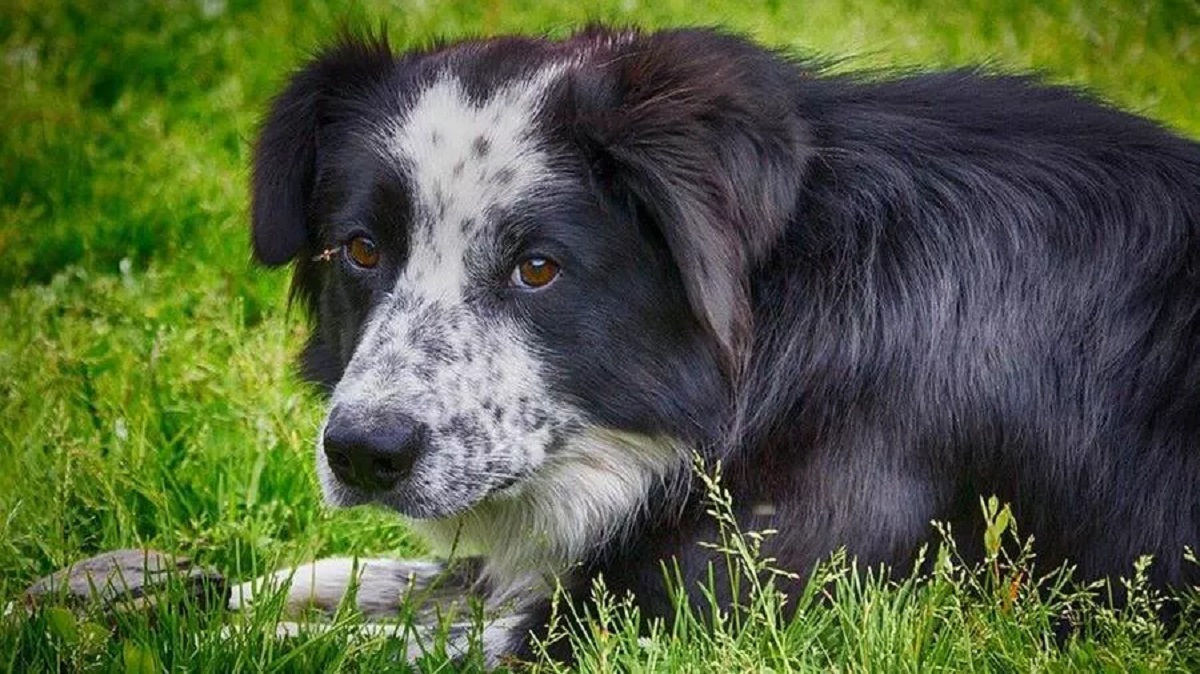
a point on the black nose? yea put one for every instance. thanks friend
(372, 453)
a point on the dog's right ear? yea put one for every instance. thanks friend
(287, 153)
(702, 129)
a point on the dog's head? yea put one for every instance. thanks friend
(514, 247)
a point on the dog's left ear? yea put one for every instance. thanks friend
(286, 153)
(702, 128)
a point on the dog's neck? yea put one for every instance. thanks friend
(592, 491)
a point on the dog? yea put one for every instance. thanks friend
(543, 274)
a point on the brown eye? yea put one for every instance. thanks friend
(535, 272)
(362, 252)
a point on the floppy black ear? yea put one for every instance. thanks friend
(702, 128)
(286, 152)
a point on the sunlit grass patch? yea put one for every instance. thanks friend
(1001, 614)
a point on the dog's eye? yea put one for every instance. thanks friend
(362, 252)
(535, 272)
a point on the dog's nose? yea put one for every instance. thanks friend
(373, 456)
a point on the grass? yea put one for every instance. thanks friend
(145, 397)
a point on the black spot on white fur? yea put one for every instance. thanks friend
(480, 147)
(873, 299)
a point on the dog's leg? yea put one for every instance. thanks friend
(382, 586)
(432, 590)
(497, 638)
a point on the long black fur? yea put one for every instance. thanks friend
(876, 298)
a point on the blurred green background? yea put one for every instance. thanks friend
(144, 388)
(126, 123)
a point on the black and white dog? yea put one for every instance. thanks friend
(544, 273)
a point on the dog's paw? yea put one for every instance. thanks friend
(129, 580)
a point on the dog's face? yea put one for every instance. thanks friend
(504, 305)
(496, 273)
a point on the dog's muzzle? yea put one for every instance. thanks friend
(373, 454)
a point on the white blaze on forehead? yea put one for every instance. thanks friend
(425, 353)
(465, 158)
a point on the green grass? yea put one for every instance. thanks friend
(145, 397)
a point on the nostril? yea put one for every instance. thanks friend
(338, 459)
(338, 451)
(382, 465)
(395, 467)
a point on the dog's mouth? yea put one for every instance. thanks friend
(506, 483)
(420, 504)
